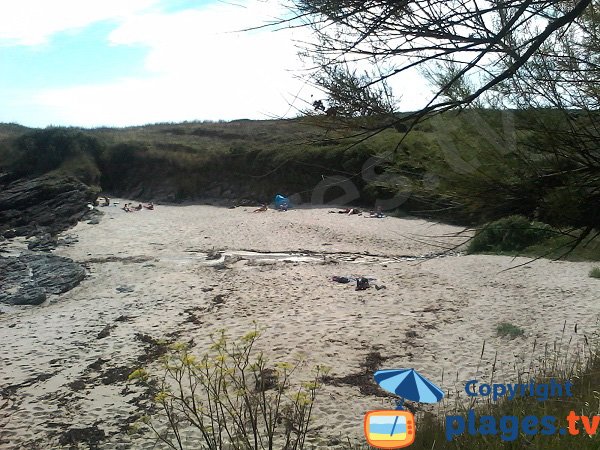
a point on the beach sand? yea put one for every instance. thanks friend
(149, 276)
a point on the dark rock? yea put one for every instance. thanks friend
(67, 241)
(125, 289)
(93, 215)
(29, 278)
(43, 243)
(9, 234)
(47, 204)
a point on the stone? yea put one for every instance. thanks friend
(124, 289)
(43, 243)
(9, 234)
(46, 204)
(29, 278)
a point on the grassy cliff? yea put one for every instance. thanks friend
(470, 167)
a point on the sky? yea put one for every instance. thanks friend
(92, 63)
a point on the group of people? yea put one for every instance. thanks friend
(130, 208)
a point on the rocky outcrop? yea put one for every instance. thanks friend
(47, 204)
(29, 279)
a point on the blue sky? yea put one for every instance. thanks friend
(113, 63)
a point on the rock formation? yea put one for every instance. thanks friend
(46, 204)
(29, 279)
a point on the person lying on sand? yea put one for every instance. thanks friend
(149, 206)
(347, 211)
(138, 207)
(262, 208)
(376, 214)
(126, 208)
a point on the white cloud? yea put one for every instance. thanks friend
(33, 22)
(198, 68)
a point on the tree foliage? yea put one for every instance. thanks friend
(539, 59)
(41, 151)
(488, 40)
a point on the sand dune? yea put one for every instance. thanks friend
(64, 362)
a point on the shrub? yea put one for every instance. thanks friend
(595, 272)
(41, 151)
(509, 234)
(508, 329)
(232, 398)
(83, 168)
(119, 161)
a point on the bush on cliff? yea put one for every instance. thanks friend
(42, 151)
(513, 233)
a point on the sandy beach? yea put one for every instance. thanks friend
(62, 364)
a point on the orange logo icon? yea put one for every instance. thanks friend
(389, 429)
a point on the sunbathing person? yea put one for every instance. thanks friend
(149, 206)
(349, 211)
(376, 214)
(262, 208)
(139, 207)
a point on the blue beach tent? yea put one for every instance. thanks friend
(281, 200)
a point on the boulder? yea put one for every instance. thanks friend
(46, 204)
(43, 242)
(28, 279)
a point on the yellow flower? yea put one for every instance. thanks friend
(310, 385)
(188, 360)
(284, 366)
(301, 399)
(251, 336)
(161, 397)
(138, 374)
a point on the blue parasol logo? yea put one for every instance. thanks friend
(408, 384)
(395, 429)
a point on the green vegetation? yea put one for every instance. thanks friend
(518, 236)
(512, 233)
(231, 397)
(446, 168)
(582, 368)
(560, 362)
(595, 272)
(43, 151)
(508, 329)
(486, 161)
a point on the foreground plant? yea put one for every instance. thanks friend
(231, 399)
